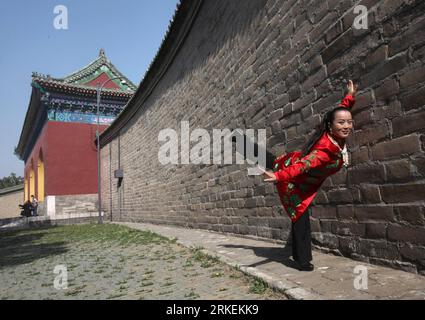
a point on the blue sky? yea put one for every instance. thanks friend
(130, 31)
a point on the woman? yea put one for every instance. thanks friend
(299, 174)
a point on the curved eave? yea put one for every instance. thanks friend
(29, 119)
(81, 90)
(181, 24)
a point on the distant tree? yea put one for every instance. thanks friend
(10, 181)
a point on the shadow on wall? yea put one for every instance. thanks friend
(270, 157)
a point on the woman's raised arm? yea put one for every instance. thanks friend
(349, 100)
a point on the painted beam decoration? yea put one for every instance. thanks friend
(69, 110)
(62, 116)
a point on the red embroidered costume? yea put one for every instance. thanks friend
(298, 179)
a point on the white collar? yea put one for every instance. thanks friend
(344, 150)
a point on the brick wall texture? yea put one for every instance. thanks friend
(279, 65)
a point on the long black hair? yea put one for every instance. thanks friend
(324, 126)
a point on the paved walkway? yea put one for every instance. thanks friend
(109, 261)
(334, 277)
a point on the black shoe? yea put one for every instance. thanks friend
(305, 266)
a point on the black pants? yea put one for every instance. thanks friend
(301, 239)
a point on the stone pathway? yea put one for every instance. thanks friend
(115, 262)
(333, 278)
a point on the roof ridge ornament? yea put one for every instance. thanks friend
(102, 53)
(40, 75)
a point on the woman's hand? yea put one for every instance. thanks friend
(270, 177)
(352, 89)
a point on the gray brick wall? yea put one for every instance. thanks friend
(280, 65)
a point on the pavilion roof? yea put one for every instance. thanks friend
(84, 81)
(81, 83)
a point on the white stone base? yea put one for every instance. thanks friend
(50, 206)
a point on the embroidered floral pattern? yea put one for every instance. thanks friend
(302, 176)
(335, 164)
(291, 212)
(299, 178)
(295, 200)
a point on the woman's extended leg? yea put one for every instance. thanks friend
(301, 239)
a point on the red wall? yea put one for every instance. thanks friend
(70, 158)
(101, 79)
